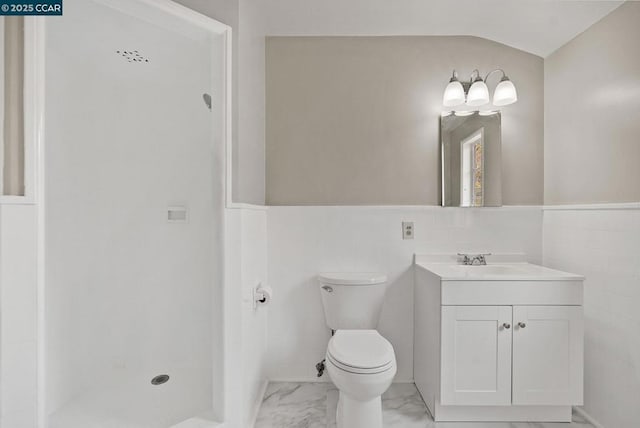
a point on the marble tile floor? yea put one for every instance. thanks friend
(313, 405)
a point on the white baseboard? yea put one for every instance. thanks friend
(323, 379)
(258, 404)
(587, 417)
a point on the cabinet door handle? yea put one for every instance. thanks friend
(327, 289)
(506, 325)
(521, 325)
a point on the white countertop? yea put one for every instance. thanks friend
(517, 271)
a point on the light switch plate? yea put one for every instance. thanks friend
(407, 230)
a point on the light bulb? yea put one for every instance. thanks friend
(453, 94)
(478, 94)
(505, 93)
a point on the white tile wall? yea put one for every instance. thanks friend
(246, 265)
(18, 340)
(604, 245)
(254, 320)
(303, 241)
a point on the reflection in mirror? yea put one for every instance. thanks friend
(12, 105)
(471, 159)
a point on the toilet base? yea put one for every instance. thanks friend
(353, 413)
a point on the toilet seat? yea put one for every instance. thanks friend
(360, 352)
(358, 370)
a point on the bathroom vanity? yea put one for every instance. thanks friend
(500, 342)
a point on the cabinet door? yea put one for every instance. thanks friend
(547, 355)
(476, 355)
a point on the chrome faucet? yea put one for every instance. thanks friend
(474, 259)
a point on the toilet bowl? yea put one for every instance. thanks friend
(361, 364)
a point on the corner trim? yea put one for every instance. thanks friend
(585, 207)
(588, 417)
(244, 206)
(258, 404)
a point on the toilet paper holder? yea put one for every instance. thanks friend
(261, 295)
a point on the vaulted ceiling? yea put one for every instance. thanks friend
(535, 26)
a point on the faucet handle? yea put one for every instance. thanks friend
(465, 258)
(470, 259)
(481, 258)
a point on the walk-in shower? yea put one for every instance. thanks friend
(134, 176)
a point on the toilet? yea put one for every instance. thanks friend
(360, 361)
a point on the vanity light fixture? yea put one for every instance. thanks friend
(476, 93)
(454, 93)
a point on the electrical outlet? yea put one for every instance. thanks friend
(407, 230)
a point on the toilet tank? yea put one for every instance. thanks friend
(352, 300)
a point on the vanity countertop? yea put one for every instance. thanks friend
(519, 271)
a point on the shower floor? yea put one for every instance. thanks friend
(90, 412)
(138, 404)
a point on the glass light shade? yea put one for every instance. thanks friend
(505, 93)
(453, 94)
(478, 94)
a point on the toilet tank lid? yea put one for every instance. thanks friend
(352, 278)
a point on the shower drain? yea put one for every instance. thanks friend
(160, 379)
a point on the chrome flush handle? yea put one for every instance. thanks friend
(327, 289)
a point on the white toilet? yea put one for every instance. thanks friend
(360, 362)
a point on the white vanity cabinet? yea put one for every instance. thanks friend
(547, 355)
(498, 345)
(476, 355)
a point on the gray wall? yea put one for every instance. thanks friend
(355, 120)
(12, 127)
(592, 113)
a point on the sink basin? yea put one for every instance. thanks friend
(502, 269)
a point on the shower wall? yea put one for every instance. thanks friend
(130, 294)
(18, 340)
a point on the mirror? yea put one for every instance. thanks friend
(471, 154)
